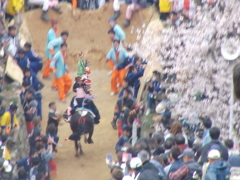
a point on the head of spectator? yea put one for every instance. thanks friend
(206, 123)
(179, 140)
(13, 108)
(229, 143)
(176, 128)
(214, 156)
(159, 160)
(111, 34)
(174, 153)
(144, 156)
(27, 72)
(111, 22)
(52, 106)
(136, 164)
(168, 144)
(159, 150)
(153, 144)
(159, 136)
(126, 82)
(117, 174)
(12, 31)
(156, 76)
(137, 60)
(29, 94)
(36, 161)
(39, 147)
(141, 144)
(187, 155)
(126, 93)
(21, 53)
(27, 46)
(214, 133)
(164, 158)
(22, 174)
(64, 35)
(26, 85)
(127, 130)
(132, 69)
(36, 121)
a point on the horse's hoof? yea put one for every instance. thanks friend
(76, 155)
(81, 153)
(90, 141)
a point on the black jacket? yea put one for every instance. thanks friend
(148, 172)
(207, 147)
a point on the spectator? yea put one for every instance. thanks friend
(6, 169)
(123, 117)
(214, 144)
(22, 175)
(174, 160)
(180, 142)
(34, 170)
(217, 169)
(126, 86)
(136, 167)
(206, 125)
(26, 162)
(12, 42)
(147, 167)
(21, 59)
(26, 85)
(189, 168)
(135, 6)
(30, 108)
(126, 137)
(35, 132)
(9, 123)
(119, 106)
(52, 117)
(117, 174)
(117, 55)
(35, 61)
(133, 76)
(2, 107)
(230, 145)
(165, 8)
(176, 129)
(4, 151)
(158, 163)
(36, 86)
(15, 8)
(51, 133)
(168, 144)
(153, 89)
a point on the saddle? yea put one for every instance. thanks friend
(84, 111)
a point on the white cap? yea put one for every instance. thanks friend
(160, 108)
(214, 154)
(135, 163)
(7, 166)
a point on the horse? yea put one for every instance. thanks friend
(82, 123)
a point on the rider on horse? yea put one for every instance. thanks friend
(82, 88)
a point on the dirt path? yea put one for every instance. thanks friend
(90, 166)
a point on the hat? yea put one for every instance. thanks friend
(187, 152)
(54, 21)
(160, 108)
(111, 19)
(214, 154)
(135, 163)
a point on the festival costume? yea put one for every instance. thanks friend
(117, 57)
(64, 81)
(52, 34)
(35, 61)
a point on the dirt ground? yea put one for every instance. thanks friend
(88, 33)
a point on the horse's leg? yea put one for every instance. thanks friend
(80, 147)
(76, 148)
(90, 141)
(85, 138)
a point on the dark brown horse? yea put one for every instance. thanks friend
(82, 123)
